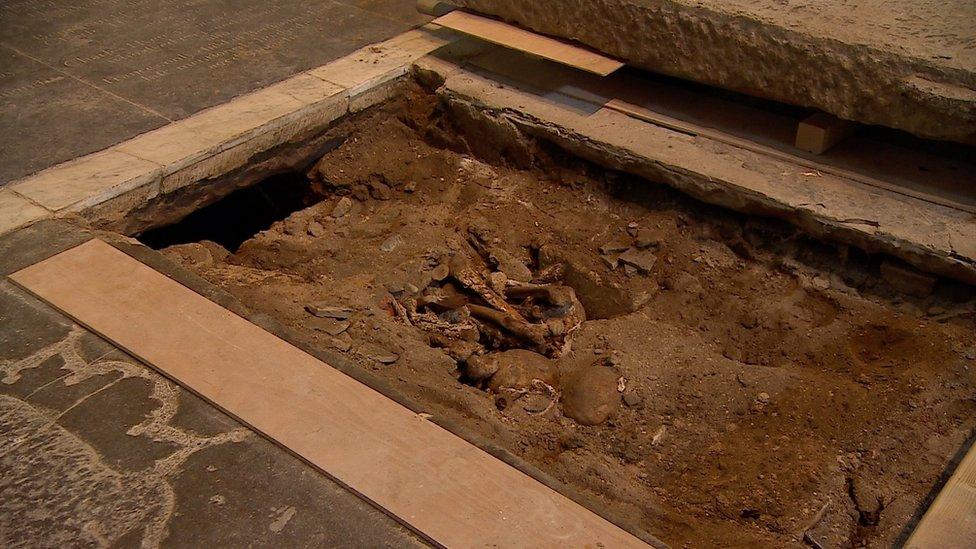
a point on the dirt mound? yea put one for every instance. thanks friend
(747, 380)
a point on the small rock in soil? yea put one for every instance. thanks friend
(517, 368)
(646, 239)
(535, 403)
(380, 190)
(613, 249)
(331, 326)
(479, 368)
(390, 243)
(440, 272)
(410, 187)
(659, 435)
(611, 261)
(632, 228)
(378, 354)
(360, 193)
(642, 260)
(315, 229)
(328, 311)
(590, 396)
(342, 207)
(684, 282)
(633, 399)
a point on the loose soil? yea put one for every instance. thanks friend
(734, 383)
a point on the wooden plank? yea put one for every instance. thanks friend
(432, 480)
(951, 519)
(520, 39)
(819, 132)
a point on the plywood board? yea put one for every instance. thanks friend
(529, 42)
(442, 486)
(951, 519)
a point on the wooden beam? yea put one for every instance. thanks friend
(445, 488)
(513, 37)
(951, 519)
(821, 131)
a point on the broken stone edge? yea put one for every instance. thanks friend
(930, 237)
(104, 186)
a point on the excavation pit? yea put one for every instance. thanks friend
(707, 376)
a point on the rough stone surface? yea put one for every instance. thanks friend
(908, 65)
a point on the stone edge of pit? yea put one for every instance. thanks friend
(219, 139)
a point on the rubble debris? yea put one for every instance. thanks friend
(632, 398)
(390, 243)
(590, 395)
(323, 310)
(331, 326)
(315, 229)
(614, 249)
(600, 297)
(659, 435)
(647, 239)
(642, 260)
(342, 207)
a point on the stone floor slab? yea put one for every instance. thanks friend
(91, 74)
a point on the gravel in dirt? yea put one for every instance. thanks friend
(767, 379)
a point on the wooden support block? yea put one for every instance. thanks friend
(513, 37)
(437, 483)
(821, 131)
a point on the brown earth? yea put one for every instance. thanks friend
(755, 381)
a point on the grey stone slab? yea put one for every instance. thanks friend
(103, 417)
(248, 494)
(37, 242)
(26, 324)
(96, 448)
(180, 57)
(49, 117)
(108, 70)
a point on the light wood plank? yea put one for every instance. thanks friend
(432, 480)
(511, 36)
(951, 519)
